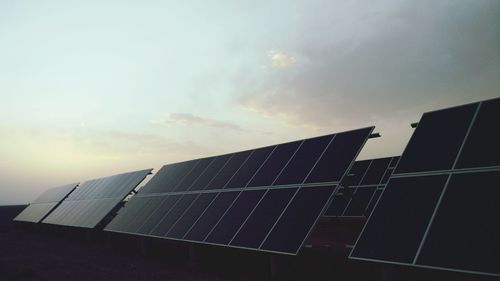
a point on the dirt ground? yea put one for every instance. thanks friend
(37, 252)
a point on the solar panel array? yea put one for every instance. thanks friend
(440, 208)
(265, 199)
(45, 203)
(361, 188)
(93, 200)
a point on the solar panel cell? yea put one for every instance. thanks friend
(481, 148)
(426, 151)
(234, 217)
(262, 219)
(266, 175)
(293, 226)
(191, 215)
(251, 165)
(338, 156)
(303, 160)
(405, 208)
(211, 216)
(462, 235)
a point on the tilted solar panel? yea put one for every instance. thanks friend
(440, 208)
(265, 199)
(45, 203)
(361, 188)
(94, 199)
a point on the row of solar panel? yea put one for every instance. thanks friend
(290, 210)
(120, 186)
(361, 189)
(268, 219)
(315, 160)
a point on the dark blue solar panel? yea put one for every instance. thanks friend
(251, 165)
(303, 161)
(225, 174)
(274, 164)
(397, 225)
(437, 140)
(211, 216)
(213, 168)
(292, 228)
(338, 156)
(234, 217)
(258, 224)
(481, 148)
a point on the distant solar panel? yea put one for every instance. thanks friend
(265, 199)
(361, 188)
(440, 208)
(93, 200)
(45, 203)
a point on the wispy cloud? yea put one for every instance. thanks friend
(396, 63)
(280, 59)
(189, 119)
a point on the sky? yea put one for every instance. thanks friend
(94, 88)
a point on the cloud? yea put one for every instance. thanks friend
(189, 119)
(280, 59)
(398, 61)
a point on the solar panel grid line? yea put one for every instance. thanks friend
(249, 215)
(320, 157)
(352, 195)
(201, 174)
(179, 217)
(139, 209)
(449, 171)
(152, 204)
(159, 207)
(201, 215)
(221, 217)
(220, 170)
(166, 214)
(287, 162)
(280, 216)
(186, 174)
(446, 184)
(238, 189)
(239, 168)
(261, 165)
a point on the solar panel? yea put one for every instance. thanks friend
(440, 208)
(361, 188)
(45, 203)
(93, 200)
(266, 199)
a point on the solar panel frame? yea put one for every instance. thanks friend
(48, 200)
(89, 204)
(332, 212)
(361, 138)
(454, 170)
